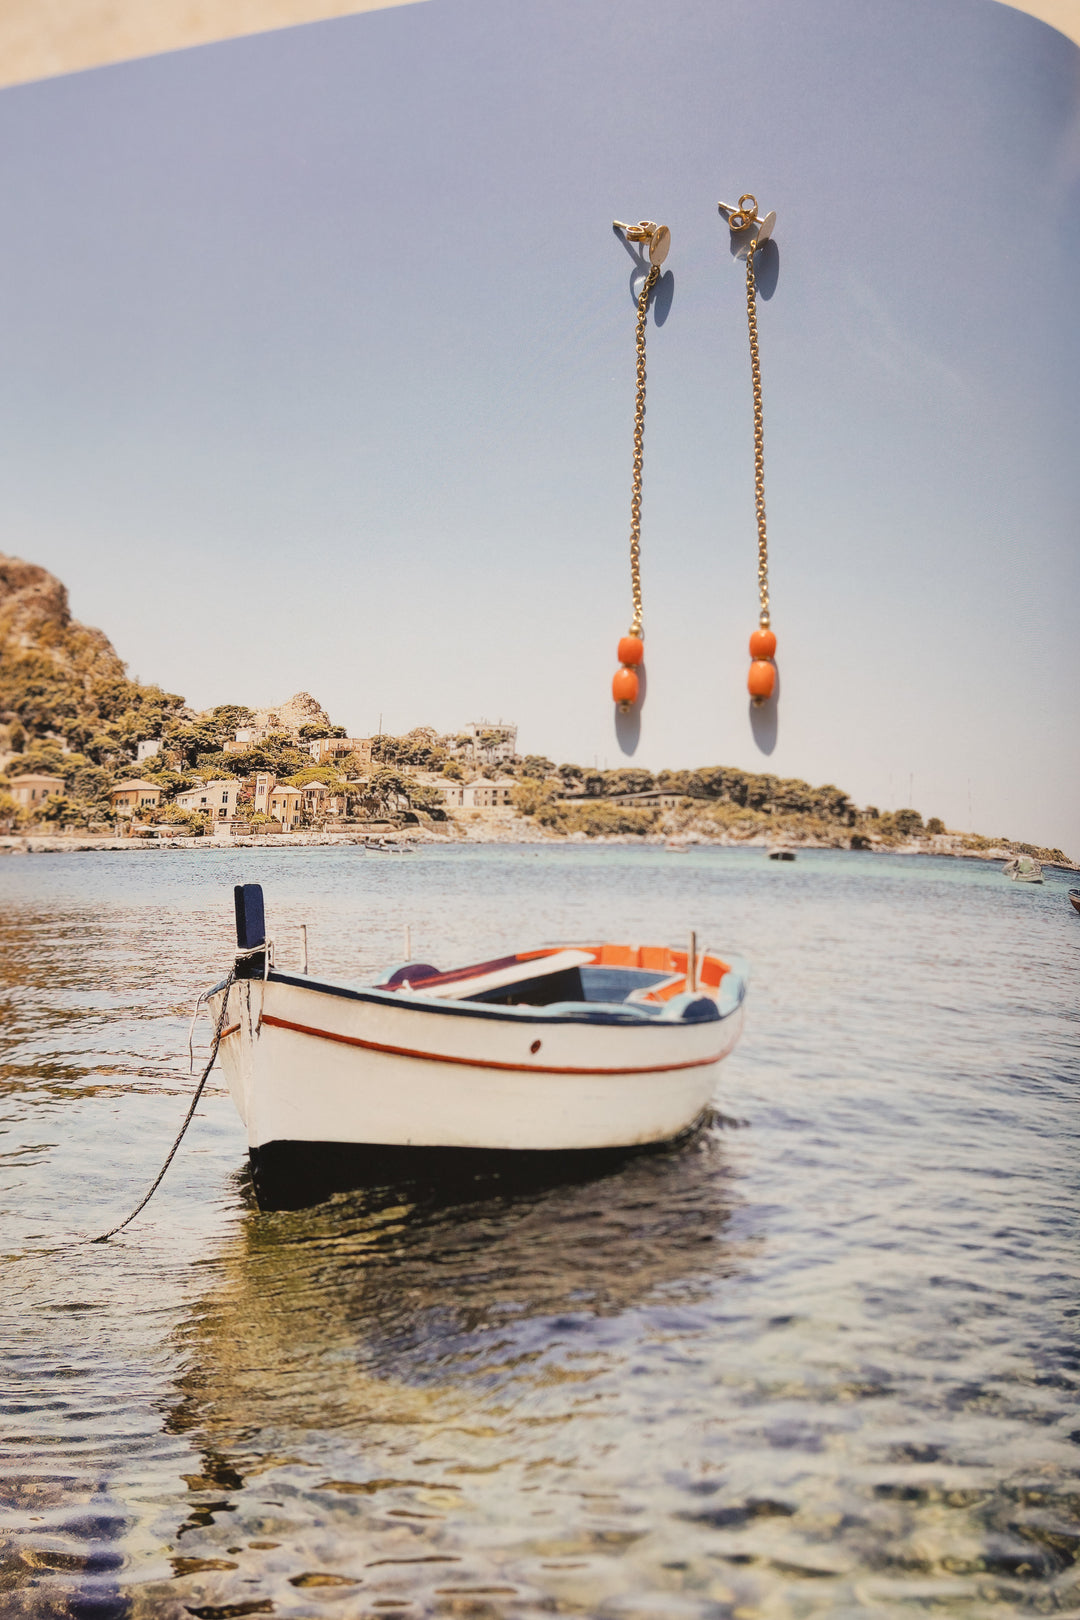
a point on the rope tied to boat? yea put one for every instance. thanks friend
(214, 1045)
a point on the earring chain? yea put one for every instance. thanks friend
(639, 430)
(759, 437)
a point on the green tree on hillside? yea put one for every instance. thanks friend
(225, 720)
(12, 813)
(189, 741)
(60, 811)
(46, 758)
(422, 796)
(532, 795)
(537, 765)
(628, 780)
(419, 747)
(901, 824)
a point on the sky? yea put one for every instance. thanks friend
(317, 374)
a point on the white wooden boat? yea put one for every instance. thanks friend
(1023, 869)
(578, 1049)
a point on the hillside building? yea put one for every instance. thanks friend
(334, 748)
(479, 795)
(30, 791)
(285, 807)
(656, 799)
(128, 798)
(218, 800)
(491, 740)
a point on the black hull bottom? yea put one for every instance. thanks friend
(296, 1175)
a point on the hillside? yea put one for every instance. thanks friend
(69, 709)
(60, 680)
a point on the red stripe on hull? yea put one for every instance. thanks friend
(479, 1063)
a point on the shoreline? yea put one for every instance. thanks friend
(519, 832)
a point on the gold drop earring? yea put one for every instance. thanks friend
(761, 680)
(625, 685)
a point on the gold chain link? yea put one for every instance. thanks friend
(639, 430)
(759, 438)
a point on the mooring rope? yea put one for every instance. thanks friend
(105, 1236)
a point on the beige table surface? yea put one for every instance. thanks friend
(42, 38)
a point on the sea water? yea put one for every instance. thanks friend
(822, 1359)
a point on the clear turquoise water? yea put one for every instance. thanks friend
(821, 1360)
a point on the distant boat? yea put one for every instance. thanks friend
(1023, 869)
(781, 854)
(1074, 899)
(575, 1049)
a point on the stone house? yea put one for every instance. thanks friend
(488, 795)
(324, 748)
(656, 799)
(129, 798)
(320, 799)
(31, 791)
(285, 805)
(265, 782)
(218, 800)
(491, 740)
(480, 795)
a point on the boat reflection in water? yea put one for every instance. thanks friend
(408, 1397)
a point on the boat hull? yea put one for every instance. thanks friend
(295, 1175)
(325, 1065)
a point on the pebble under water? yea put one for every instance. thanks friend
(821, 1359)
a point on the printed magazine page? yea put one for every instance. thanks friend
(539, 812)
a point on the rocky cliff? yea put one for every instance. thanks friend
(60, 678)
(301, 710)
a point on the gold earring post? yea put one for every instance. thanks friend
(743, 215)
(657, 236)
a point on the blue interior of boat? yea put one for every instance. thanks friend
(685, 1008)
(590, 984)
(600, 995)
(688, 1008)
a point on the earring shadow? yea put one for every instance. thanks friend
(664, 291)
(766, 261)
(632, 248)
(628, 724)
(662, 295)
(765, 720)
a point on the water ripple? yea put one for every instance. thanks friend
(821, 1360)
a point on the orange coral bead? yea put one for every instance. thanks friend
(762, 644)
(761, 679)
(631, 650)
(624, 688)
